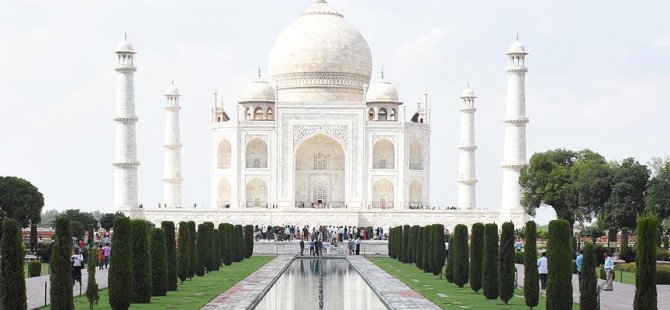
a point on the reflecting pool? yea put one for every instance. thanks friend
(300, 286)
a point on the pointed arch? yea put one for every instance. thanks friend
(270, 114)
(416, 160)
(259, 114)
(256, 154)
(256, 193)
(415, 193)
(383, 194)
(223, 193)
(223, 155)
(371, 114)
(383, 154)
(382, 115)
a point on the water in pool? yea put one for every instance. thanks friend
(299, 286)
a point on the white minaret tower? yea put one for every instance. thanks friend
(466, 163)
(514, 157)
(172, 167)
(125, 153)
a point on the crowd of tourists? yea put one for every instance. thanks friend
(80, 251)
(331, 233)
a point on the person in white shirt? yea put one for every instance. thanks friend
(77, 263)
(543, 270)
(609, 269)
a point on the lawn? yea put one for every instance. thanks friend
(447, 295)
(44, 272)
(192, 294)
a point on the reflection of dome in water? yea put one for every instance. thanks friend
(320, 49)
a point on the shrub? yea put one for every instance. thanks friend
(531, 286)
(192, 249)
(141, 258)
(183, 263)
(227, 244)
(159, 265)
(476, 256)
(588, 286)
(34, 269)
(221, 240)
(238, 249)
(426, 239)
(92, 286)
(506, 264)
(249, 240)
(217, 249)
(518, 257)
(490, 264)
(662, 255)
(419, 248)
(202, 249)
(414, 243)
(559, 257)
(13, 284)
(645, 260)
(44, 253)
(461, 255)
(120, 277)
(61, 269)
(405, 245)
(171, 254)
(211, 250)
(438, 249)
(391, 243)
(627, 254)
(450, 261)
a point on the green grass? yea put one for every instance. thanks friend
(44, 272)
(453, 297)
(192, 294)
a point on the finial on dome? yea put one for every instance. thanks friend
(259, 72)
(125, 35)
(320, 1)
(517, 36)
(382, 73)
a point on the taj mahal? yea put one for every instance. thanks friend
(320, 140)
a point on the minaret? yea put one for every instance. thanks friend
(125, 153)
(466, 163)
(514, 156)
(172, 166)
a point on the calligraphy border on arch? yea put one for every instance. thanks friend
(302, 132)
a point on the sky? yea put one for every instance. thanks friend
(598, 78)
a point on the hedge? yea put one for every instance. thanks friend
(426, 239)
(531, 286)
(227, 244)
(217, 249)
(559, 257)
(159, 265)
(438, 249)
(192, 249)
(183, 263)
(249, 240)
(419, 248)
(34, 269)
(238, 244)
(171, 254)
(13, 284)
(414, 242)
(588, 286)
(518, 257)
(405, 245)
(490, 264)
(141, 258)
(645, 264)
(461, 255)
(120, 276)
(449, 274)
(61, 269)
(202, 246)
(476, 256)
(506, 265)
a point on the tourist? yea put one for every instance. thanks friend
(358, 245)
(350, 247)
(578, 262)
(106, 249)
(302, 247)
(101, 257)
(446, 246)
(311, 247)
(77, 261)
(519, 245)
(543, 270)
(609, 269)
(318, 247)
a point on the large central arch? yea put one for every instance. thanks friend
(319, 172)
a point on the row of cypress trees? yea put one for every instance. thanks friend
(421, 246)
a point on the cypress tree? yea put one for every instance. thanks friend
(506, 264)
(120, 277)
(159, 265)
(183, 263)
(192, 249)
(249, 240)
(461, 257)
(397, 248)
(33, 238)
(211, 250)
(414, 243)
(611, 237)
(13, 283)
(645, 263)
(171, 254)
(588, 286)
(222, 239)
(202, 248)
(389, 244)
(61, 267)
(141, 258)
(236, 243)
(427, 251)
(531, 286)
(450, 261)
(490, 264)
(217, 249)
(439, 249)
(227, 244)
(476, 256)
(419, 248)
(91, 285)
(243, 245)
(410, 246)
(559, 258)
(404, 243)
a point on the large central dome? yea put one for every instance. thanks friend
(320, 57)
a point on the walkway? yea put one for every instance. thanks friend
(248, 291)
(621, 298)
(35, 288)
(394, 294)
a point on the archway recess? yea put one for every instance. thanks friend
(319, 173)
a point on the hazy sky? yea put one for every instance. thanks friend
(599, 77)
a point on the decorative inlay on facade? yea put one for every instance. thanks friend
(302, 132)
(303, 79)
(128, 119)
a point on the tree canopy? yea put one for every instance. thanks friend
(21, 200)
(626, 201)
(657, 195)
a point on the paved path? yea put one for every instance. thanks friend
(248, 291)
(35, 287)
(621, 298)
(395, 294)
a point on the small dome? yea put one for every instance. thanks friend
(382, 91)
(258, 90)
(468, 92)
(517, 48)
(125, 46)
(172, 90)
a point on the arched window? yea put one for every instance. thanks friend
(371, 114)
(223, 155)
(382, 114)
(223, 193)
(416, 194)
(382, 194)
(270, 116)
(257, 154)
(258, 114)
(248, 115)
(256, 193)
(320, 162)
(416, 155)
(393, 115)
(383, 155)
